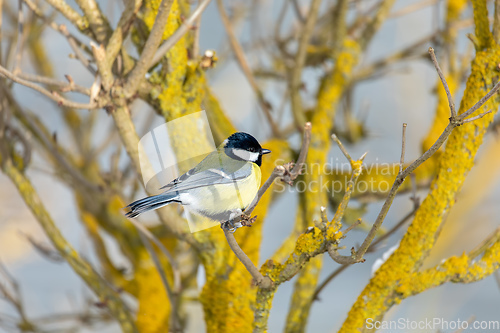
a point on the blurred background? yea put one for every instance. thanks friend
(402, 89)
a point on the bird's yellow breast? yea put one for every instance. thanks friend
(225, 197)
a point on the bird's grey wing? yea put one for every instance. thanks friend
(193, 179)
(179, 179)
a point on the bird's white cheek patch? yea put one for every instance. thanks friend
(246, 155)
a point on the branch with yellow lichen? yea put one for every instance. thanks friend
(455, 121)
(466, 268)
(309, 275)
(101, 287)
(315, 241)
(462, 144)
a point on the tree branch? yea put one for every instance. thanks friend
(80, 266)
(52, 95)
(137, 74)
(300, 59)
(262, 281)
(454, 122)
(72, 15)
(119, 34)
(97, 22)
(241, 59)
(64, 86)
(177, 35)
(443, 81)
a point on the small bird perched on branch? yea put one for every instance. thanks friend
(220, 187)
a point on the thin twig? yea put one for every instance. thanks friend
(52, 95)
(279, 22)
(372, 248)
(330, 277)
(65, 86)
(351, 227)
(304, 148)
(44, 249)
(396, 227)
(375, 22)
(52, 148)
(443, 81)
(242, 62)
(300, 59)
(73, 43)
(468, 120)
(296, 8)
(403, 147)
(175, 267)
(342, 148)
(379, 67)
(339, 213)
(20, 38)
(412, 8)
(181, 31)
(137, 74)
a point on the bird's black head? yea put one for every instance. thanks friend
(243, 146)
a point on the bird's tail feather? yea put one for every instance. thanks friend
(150, 203)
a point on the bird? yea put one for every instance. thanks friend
(220, 187)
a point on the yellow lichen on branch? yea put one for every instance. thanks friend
(309, 245)
(484, 37)
(100, 287)
(154, 306)
(463, 269)
(457, 160)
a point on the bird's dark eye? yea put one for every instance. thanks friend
(252, 149)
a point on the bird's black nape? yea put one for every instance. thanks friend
(242, 140)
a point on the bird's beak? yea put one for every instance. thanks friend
(265, 151)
